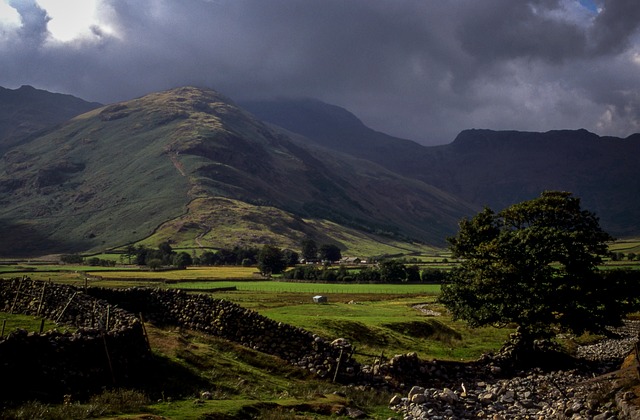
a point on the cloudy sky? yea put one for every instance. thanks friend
(419, 69)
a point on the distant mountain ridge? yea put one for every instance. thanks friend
(27, 110)
(485, 167)
(158, 165)
(190, 166)
(335, 128)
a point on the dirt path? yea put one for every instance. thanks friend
(174, 159)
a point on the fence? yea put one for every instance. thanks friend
(106, 346)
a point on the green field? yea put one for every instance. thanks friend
(10, 322)
(312, 288)
(626, 245)
(378, 319)
(124, 276)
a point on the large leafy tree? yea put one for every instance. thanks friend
(535, 264)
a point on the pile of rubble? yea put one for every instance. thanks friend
(533, 394)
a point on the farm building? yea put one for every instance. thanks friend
(320, 299)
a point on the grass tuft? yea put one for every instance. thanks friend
(108, 402)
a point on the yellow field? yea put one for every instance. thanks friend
(626, 245)
(191, 273)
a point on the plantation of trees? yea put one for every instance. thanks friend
(391, 271)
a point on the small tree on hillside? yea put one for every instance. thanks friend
(271, 260)
(413, 273)
(166, 253)
(182, 260)
(141, 255)
(329, 252)
(290, 257)
(535, 264)
(154, 263)
(393, 271)
(309, 250)
(130, 251)
(208, 258)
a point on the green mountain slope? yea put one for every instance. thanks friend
(118, 173)
(484, 167)
(27, 110)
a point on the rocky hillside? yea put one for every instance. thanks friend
(27, 110)
(190, 166)
(113, 175)
(485, 167)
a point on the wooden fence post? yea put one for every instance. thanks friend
(144, 332)
(106, 350)
(66, 306)
(44, 286)
(335, 375)
(17, 294)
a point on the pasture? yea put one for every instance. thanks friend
(274, 286)
(375, 317)
(11, 322)
(378, 319)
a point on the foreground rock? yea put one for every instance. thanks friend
(536, 395)
(580, 393)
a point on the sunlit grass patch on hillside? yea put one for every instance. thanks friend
(388, 324)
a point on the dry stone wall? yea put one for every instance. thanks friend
(106, 347)
(228, 320)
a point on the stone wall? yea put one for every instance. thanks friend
(228, 320)
(106, 345)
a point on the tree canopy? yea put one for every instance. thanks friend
(329, 252)
(271, 260)
(535, 264)
(309, 250)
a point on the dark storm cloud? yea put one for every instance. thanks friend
(422, 70)
(615, 27)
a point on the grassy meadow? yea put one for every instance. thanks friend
(375, 317)
(10, 322)
(376, 322)
(378, 319)
(626, 245)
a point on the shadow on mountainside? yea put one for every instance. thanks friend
(22, 240)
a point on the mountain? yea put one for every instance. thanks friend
(175, 164)
(27, 110)
(337, 129)
(602, 171)
(485, 167)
